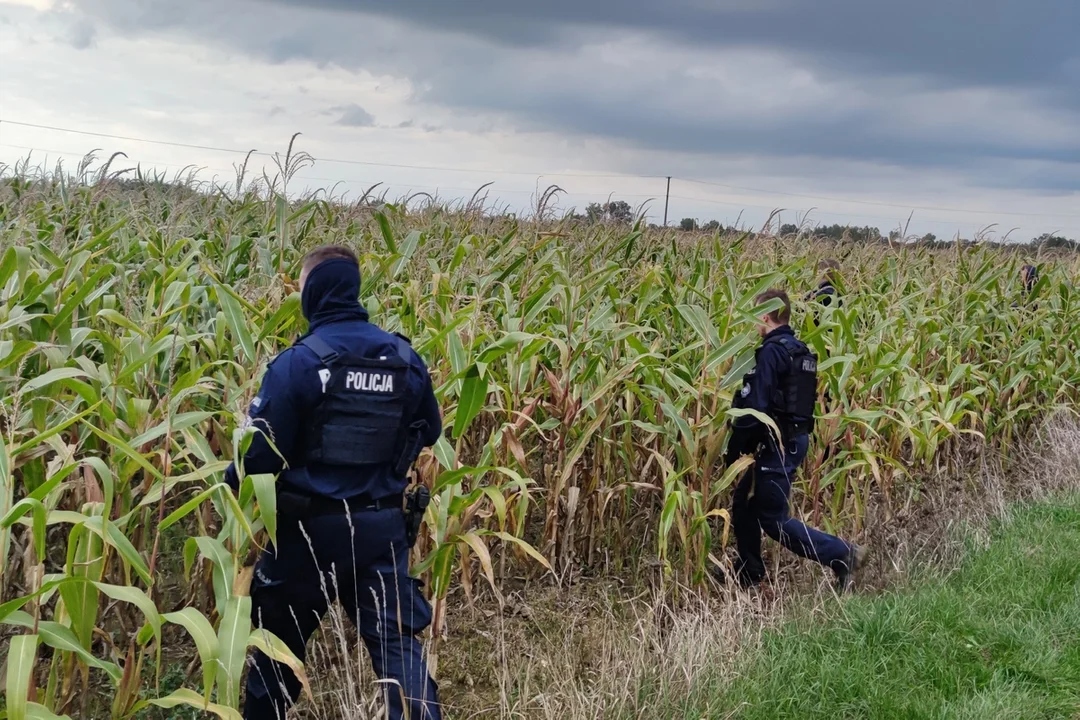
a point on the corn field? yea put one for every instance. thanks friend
(585, 374)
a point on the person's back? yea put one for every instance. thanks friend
(348, 408)
(826, 291)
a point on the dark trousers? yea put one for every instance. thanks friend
(366, 567)
(761, 505)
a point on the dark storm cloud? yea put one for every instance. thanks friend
(947, 84)
(991, 42)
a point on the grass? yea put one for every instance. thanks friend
(970, 609)
(999, 638)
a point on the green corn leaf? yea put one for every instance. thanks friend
(20, 666)
(233, 636)
(192, 699)
(190, 506)
(50, 377)
(206, 641)
(114, 536)
(474, 391)
(38, 510)
(61, 638)
(117, 319)
(274, 648)
(139, 599)
(224, 567)
(34, 711)
(266, 495)
(238, 325)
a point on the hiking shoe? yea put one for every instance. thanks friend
(856, 559)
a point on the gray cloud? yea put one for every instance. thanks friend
(354, 116)
(994, 42)
(82, 35)
(922, 84)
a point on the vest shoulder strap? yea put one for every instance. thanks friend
(327, 355)
(793, 346)
(404, 347)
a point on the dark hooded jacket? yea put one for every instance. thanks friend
(772, 364)
(825, 293)
(292, 390)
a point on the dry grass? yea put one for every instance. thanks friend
(603, 649)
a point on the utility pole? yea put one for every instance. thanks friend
(667, 198)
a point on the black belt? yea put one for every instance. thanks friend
(294, 504)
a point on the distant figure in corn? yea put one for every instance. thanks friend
(350, 407)
(783, 386)
(1029, 276)
(829, 270)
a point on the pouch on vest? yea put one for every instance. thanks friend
(359, 422)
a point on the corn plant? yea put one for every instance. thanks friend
(585, 374)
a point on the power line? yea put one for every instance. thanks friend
(439, 168)
(230, 171)
(343, 161)
(407, 186)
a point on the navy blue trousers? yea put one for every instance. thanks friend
(366, 568)
(761, 504)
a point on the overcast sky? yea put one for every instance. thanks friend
(856, 111)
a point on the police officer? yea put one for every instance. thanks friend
(349, 407)
(1030, 275)
(783, 386)
(826, 291)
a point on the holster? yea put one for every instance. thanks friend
(414, 444)
(293, 505)
(416, 502)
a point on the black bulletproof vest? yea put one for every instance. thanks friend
(361, 419)
(794, 397)
(796, 393)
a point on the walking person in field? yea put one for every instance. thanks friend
(1029, 276)
(783, 386)
(349, 407)
(826, 290)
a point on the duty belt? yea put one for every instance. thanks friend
(793, 429)
(300, 505)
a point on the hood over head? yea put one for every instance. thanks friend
(331, 293)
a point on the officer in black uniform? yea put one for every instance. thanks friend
(1030, 275)
(350, 407)
(826, 290)
(783, 386)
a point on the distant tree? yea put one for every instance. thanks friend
(1051, 241)
(614, 211)
(848, 232)
(620, 211)
(713, 226)
(688, 224)
(789, 229)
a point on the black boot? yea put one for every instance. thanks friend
(845, 575)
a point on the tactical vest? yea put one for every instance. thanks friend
(794, 397)
(795, 394)
(361, 419)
